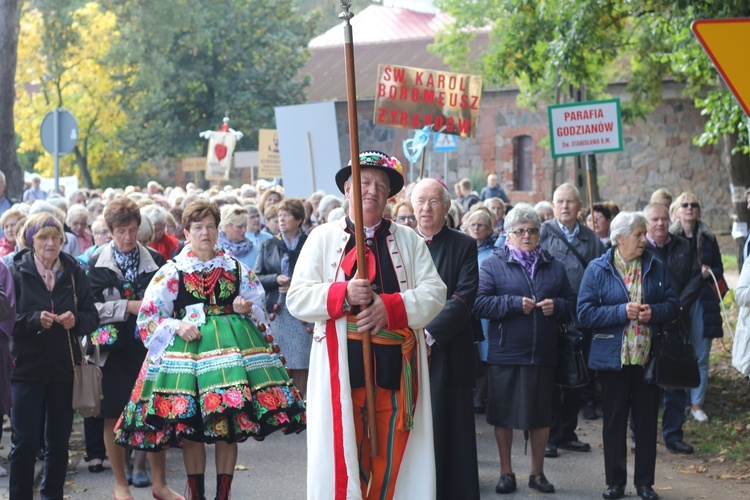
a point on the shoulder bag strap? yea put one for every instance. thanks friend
(558, 232)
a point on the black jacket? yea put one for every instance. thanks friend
(453, 359)
(683, 269)
(268, 266)
(39, 354)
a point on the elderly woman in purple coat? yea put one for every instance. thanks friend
(7, 318)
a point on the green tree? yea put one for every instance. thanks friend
(185, 68)
(61, 48)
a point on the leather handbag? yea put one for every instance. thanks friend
(87, 385)
(571, 369)
(673, 363)
(87, 379)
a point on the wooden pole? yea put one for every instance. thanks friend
(359, 232)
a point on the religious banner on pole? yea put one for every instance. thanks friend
(220, 151)
(417, 98)
(269, 158)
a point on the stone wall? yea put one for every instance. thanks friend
(657, 152)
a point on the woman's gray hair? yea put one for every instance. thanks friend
(521, 213)
(326, 202)
(77, 212)
(624, 224)
(156, 213)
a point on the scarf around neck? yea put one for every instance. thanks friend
(237, 248)
(529, 260)
(127, 262)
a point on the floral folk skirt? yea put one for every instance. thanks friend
(227, 386)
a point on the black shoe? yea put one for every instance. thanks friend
(680, 447)
(589, 412)
(480, 410)
(96, 468)
(646, 493)
(614, 492)
(507, 483)
(539, 482)
(550, 451)
(575, 445)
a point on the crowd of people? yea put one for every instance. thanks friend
(228, 313)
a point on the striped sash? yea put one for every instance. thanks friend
(409, 386)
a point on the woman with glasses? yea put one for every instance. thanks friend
(525, 294)
(274, 268)
(403, 213)
(101, 235)
(705, 316)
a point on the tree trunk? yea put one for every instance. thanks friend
(738, 168)
(8, 57)
(83, 168)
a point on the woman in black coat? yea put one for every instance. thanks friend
(119, 275)
(274, 268)
(55, 307)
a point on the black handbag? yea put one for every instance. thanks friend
(571, 363)
(672, 363)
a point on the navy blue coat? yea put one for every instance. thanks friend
(601, 306)
(516, 338)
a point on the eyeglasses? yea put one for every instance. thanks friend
(530, 231)
(406, 218)
(103, 232)
(693, 204)
(432, 203)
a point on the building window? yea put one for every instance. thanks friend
(522, 170)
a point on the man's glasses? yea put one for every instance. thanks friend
(432, 203)
(406, 218)
(693, 204)
(530, 231)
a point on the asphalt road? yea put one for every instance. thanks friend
(276, 469)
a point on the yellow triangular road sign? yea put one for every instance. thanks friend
(724, 40)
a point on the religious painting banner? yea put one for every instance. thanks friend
(220, 151)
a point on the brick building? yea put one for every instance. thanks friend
(658, 152)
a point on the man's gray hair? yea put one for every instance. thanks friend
(624, 224)
(520, 214)
(567, 186)
(444, 191)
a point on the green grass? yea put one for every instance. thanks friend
(726, 436)
(729, 262)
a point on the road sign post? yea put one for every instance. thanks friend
(59, 133)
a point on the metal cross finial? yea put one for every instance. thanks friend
(346, 15)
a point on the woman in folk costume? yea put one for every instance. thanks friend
(211, 375)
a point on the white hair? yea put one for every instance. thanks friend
(624, 224)
(156, 213)
(520, 214)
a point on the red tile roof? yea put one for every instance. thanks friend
(382, 35)
(378, 24)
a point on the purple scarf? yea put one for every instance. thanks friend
(528, 260)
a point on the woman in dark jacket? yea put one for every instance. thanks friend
(274, 268)
(705, 317)
(119, 275)
(626, 298)
(525, 294)
(55, 307)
